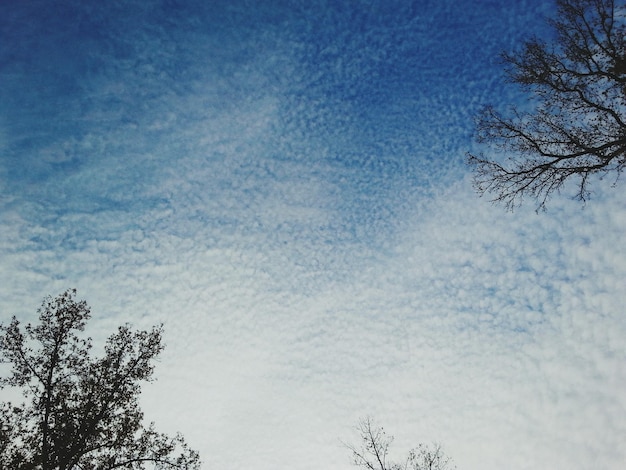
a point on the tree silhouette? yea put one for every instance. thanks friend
(80, 413)
(578, 126)
(373, 453)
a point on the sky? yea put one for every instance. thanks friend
(283, 185)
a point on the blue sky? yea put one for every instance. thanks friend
(283, 184)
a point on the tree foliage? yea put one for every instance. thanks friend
(80, 413)
(577, 128)
(373, 453)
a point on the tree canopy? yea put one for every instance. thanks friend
(577, 127)
(80, 413)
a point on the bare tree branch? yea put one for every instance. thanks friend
(578, 127)
(374, 451)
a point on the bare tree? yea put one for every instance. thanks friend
(373, 454)
(577, 128)
(81, 413)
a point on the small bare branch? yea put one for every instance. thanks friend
(373, 452)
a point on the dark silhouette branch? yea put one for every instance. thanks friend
(578, 127)
(373, 452)
(83, 413)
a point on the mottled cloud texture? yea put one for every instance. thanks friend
(283, 185)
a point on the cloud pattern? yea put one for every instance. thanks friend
(283, 185)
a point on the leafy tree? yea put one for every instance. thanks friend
(374, 451)
(80, 413)
(578, 126)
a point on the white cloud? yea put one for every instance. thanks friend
(498, 334)
(316, 256)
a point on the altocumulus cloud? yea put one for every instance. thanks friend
(282, 185)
